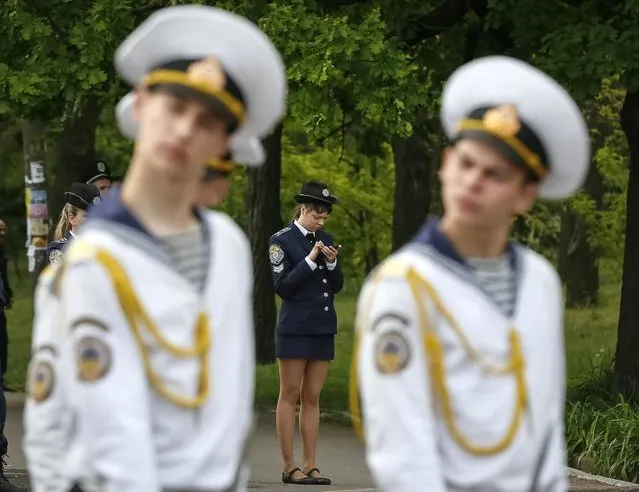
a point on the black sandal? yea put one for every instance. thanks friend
(287, 477)
(317, 480)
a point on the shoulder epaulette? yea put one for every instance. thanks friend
(279, 233)
(393, 267)
(46, 274)
(80, 251)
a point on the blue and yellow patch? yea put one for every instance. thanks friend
(392, 352)
(41, 381)
(93, 358)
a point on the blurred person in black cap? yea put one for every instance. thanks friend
(6, 301)
(99, 175)
(78, 201)
(307, 276)
(145, 351)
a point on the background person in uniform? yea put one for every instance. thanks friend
(307, 276)
(6, 301)
(99, 175)
(462, 363)
(78, 201)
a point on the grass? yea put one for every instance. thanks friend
(19, 322)
(602, 434)
(591, 336)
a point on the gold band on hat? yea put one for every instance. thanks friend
(221, 165)
(503, 124)
(205, 76)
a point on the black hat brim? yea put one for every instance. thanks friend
(304, 198)
(212, 103)
(77, 201)
(97, 177)
(497, 144)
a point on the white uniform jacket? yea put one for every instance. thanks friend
(455, 395)
(158, 375)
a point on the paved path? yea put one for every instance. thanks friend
(340, 457)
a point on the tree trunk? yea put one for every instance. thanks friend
(412, 188)
(626, 360)
(579, 261)
(75, 149)
(264, 220)
(35, 179)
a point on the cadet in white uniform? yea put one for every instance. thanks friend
(158, 389)
(460, 354)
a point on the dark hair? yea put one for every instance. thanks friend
(320, 208)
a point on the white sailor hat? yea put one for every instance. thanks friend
(248, 151)
(213, 55)
(525, 114)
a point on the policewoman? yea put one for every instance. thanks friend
(159, 388)
(307, 275)
(216, 179)
(78, 201)
(99, 174)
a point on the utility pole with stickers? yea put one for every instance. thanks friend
(36, 200)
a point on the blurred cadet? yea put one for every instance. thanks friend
(460, 344)
(160, 390)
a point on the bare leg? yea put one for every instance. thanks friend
(314, 377)
(291, 374)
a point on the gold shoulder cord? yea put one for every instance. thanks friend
(435, 353)
(135, 313)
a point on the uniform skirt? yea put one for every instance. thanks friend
(306, 347)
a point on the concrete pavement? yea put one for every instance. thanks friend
(340, 457)
(339, 452)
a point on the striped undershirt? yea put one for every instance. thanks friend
(189, 253)
(497, 278)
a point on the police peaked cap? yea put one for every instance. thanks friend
(315, 192)
(96, 171)
(82, 195)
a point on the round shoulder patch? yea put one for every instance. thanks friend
(56, 256)
(276, 254)
(93, 358)
(41, 381)
(392, 352)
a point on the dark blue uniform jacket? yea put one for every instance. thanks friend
(55, 248)
(307, 295)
